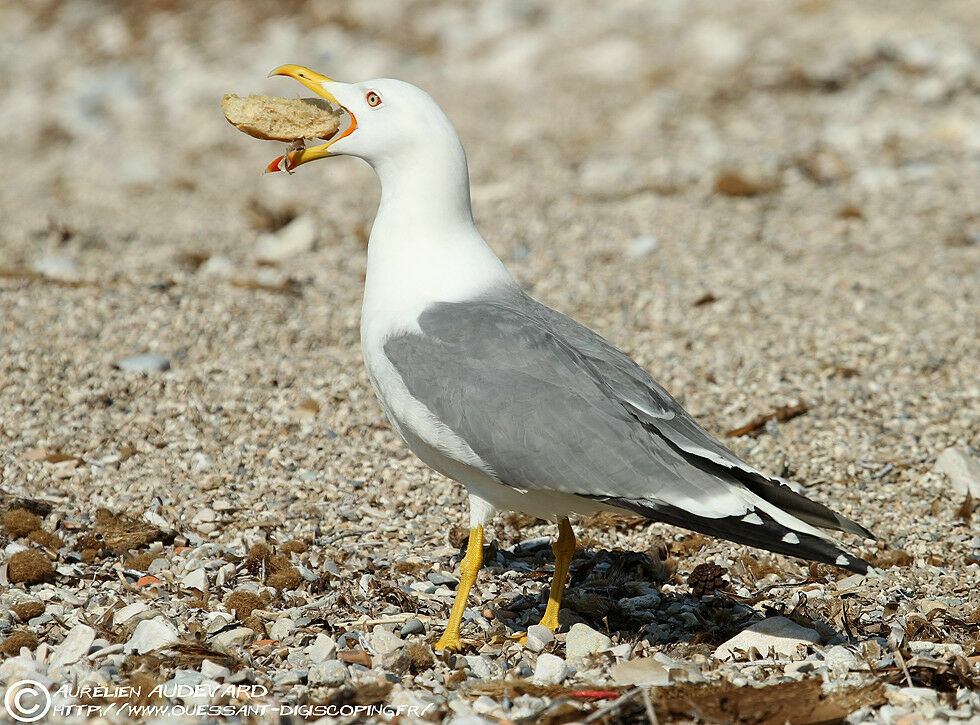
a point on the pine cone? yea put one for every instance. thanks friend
(707, 579)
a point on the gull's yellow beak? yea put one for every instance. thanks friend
(314, 81)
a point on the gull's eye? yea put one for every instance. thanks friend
(373, 99)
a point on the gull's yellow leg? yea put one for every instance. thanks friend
(563, 548)
(468, 570)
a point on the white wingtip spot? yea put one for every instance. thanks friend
(791, 538)
(752, 518)
(842, 560)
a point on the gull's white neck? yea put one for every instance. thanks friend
(424, 246)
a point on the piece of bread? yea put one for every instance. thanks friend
(281, 119)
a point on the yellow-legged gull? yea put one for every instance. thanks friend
(528, 409)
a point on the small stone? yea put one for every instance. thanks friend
(479, 666)
(641, 671)
(550, 669)
(120, 616)
(384, 642)
(906, 696)
(218, 266)
(57, 267)
(412, 626)
(841, 659)
(201, 462)
(75, 646)
(295, 238)
(151, 634)
(962, 470)
(539, 637)
(748, 180)
(484, 705)
(780, 634)
(850, 582)
(330, 673)
(583, 641)
(355, 657)
(197, 579)
(282, 628)
(621, 651)
(233, 639)
(438, 579)
(289, 677)
(214, 671)
(149, 362)
(643, 607)
(323, 648)
(642, 246)
(801, 668)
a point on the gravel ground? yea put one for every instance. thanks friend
(770, 205)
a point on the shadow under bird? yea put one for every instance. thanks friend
(528, 409)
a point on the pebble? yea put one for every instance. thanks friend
(201, 462)
(643, 607)
(801, 668)
(196, 579)
(123, 615)
(323, 648)
(747, 180)
(539, 637)
(905, 696)
(75, 646)
(841, 659)
(549, 669)
(354, 657)
(233, 639)
(412, 626)
(438, 579)
(962, 470)
(642, 246)
(282, 628)
(214, 671)
(151, 634)
(780, 634)
(641, 671)
(582, 641)
(485, 705)
(149, 362)
(289, 677)
(384, 642)
(480, 666)
(295, 238)
(218, 266)
(330, 673)
(57, 267)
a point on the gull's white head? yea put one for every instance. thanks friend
(390, 122)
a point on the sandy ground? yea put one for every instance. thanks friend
(765, 203)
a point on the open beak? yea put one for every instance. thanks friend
(314, 81)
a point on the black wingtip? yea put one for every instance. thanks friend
(853, 527)
(766, 533)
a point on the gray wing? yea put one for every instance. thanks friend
(650, 403)
(548, 404)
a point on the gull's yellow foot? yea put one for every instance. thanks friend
(564, 548)
(469, 568)
(450, 642)
(550, 619)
